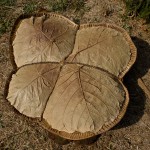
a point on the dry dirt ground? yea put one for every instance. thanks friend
(18, 132)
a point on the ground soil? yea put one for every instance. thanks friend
(18, 132)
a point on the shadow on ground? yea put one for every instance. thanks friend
(63, 141)
(137, 102)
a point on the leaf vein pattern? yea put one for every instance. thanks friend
(80, 84)
(36, 79)
(101, 83)
(74, 111)
(79, 51)
(69, 102)
(80, 115)
(62, 94)
(100, 100)
(98, 89)
(67, 79)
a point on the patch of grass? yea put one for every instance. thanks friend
(5, 23)
(4, 26)
(8, 2)
(64, 5)
(30, 7)
(139, 8)
(1, 123)
(77, 7)
(127, 27)
(5, 18)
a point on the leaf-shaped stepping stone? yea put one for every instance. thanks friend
(84, 99)
(79, 92)
(48, 38)
(105, 46)
(31, 87)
